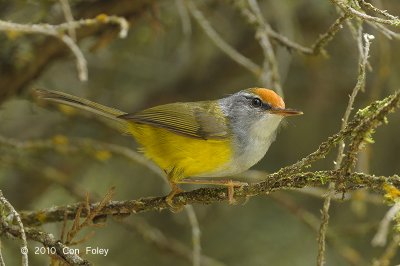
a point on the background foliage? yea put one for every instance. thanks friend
(167, 57)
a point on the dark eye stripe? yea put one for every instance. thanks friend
(263, 105)
(266, 106)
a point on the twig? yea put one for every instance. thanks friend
(321, 193)
(47, 240)
(66, 8)
(350, 158)
(57, 32)
(21, 230)
(52, 31)
(383, 230)
(325, 38)
(81, 63)
(195, 235)
(364, 53)
(365, 120)
(158, 238)
(219, 42)
(353, 12)
(376, 10)
(389, 252)
(78, 145)
(184, 16)
(384, 30)
(270, 64)
(2, 263)
(312, 221)
(77, 226)
(316, 48)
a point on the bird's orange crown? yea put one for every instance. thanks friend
(269, 96)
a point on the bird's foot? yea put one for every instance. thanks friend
(231, 189)
(169, 199)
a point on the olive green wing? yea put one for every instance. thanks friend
(196, 120)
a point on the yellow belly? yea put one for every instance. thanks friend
(181, 156)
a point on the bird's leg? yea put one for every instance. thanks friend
(230, 184)
(174, 190)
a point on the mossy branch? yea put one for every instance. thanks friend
(210, 195)
(47, 240)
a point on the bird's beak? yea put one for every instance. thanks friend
(285, 112)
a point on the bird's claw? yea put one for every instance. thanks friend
(231, 189)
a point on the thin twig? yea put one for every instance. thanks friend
(384, 30)
(2, 263)
(351, 11)
(381, 235)
(349, 159)
(364, 120)
(57, 31)
(163, 242)
(364, 53)
(219, 42)
(17, 217)
(184, 16)
(389, 253)
(77, 226)
(312, 221)
(81, 63)
(87, 145)
(66, 8)
(316, 48)
(325, 38)
(195, 235)
(377, 10)
(270, 70)
(52, 31)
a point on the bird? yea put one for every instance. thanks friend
(201, 142)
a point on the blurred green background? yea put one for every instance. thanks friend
(159, 63)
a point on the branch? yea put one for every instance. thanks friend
(364, 120)
(381, 235)
(21, 230)
(194, 223)
(47, 240)
(363, 59)
(393, 21)
(210, 195)
(312, 221)
(270, 70)
(57, 31)
(315, 49)
(14, 80)
(219, 41)
(160, 240)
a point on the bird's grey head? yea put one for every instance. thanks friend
(255, 112)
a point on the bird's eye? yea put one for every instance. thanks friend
(256, 102)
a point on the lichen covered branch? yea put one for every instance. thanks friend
(210, 195)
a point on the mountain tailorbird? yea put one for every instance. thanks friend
(215, 138)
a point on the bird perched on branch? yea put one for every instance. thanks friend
(187, 140)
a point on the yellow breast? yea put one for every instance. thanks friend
(181, 156)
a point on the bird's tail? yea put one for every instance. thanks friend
(110, 114)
